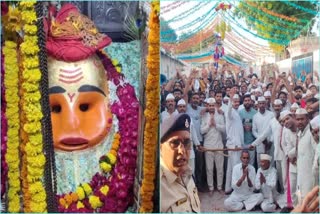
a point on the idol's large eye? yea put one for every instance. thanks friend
(84, 107)
(56, 108)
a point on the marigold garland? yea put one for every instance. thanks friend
(12, 113)
(33, 158)
(152, 116)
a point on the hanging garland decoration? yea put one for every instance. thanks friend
(245, 53)
(276, 19)
(281, 36)
(185, 14)
(11, 79)
(152, 117)
(189, 24)
(278, 41)
(247, 39)
(188, 35)
(173, 7)
(4, 129)
(185, 45)
(301, 8)
(281, 16)
(243, 43)
(169, 5)
(31, 75)
(240, 48)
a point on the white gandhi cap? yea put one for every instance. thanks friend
(265, 157)
(170, 97)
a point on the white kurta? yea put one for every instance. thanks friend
(242, 195)
(268, 189)
(305, 160)
(213, 140)
(315, 166)
(235, 138)
(165, 114)
(260, 123)
(289, 140)
(195, 141)
(274, 130)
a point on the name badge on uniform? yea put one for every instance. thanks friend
(181, 201)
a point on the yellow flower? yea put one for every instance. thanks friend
(27, 4)
(112, 158)
(87, 188)
(32, 75)
(12, 20)
(28, 16)
(14, 205)
(95, 202)
(38, 207)
(36, 187)
(39, 197)
(80, 192)
(80, 205)
(105, 167)
(104, 190)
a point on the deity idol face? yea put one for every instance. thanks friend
(79, 103)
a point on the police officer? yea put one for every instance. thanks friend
(178, 190)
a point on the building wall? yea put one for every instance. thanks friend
(168, 66)
(286, 65)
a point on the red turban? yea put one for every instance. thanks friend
(73, 36)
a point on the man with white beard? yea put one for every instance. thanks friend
(243, 177)
(305, 154)
(266, 181)
(260, 123)
(212, 127)
(235, 136)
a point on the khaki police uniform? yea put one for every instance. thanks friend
(178, 194)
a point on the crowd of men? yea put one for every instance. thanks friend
(253, 138)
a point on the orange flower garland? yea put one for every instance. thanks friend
(151, 113)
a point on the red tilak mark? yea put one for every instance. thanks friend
(69, 71)
(71, 81)
(70, 77)
(71, 96)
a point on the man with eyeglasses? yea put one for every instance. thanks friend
(243, 177)
(178, 190)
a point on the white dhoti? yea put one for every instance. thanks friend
(236, 202)
(233, 159)
(214, 158)
(282, 174)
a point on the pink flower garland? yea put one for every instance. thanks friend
(4, 165)
(121, 178)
